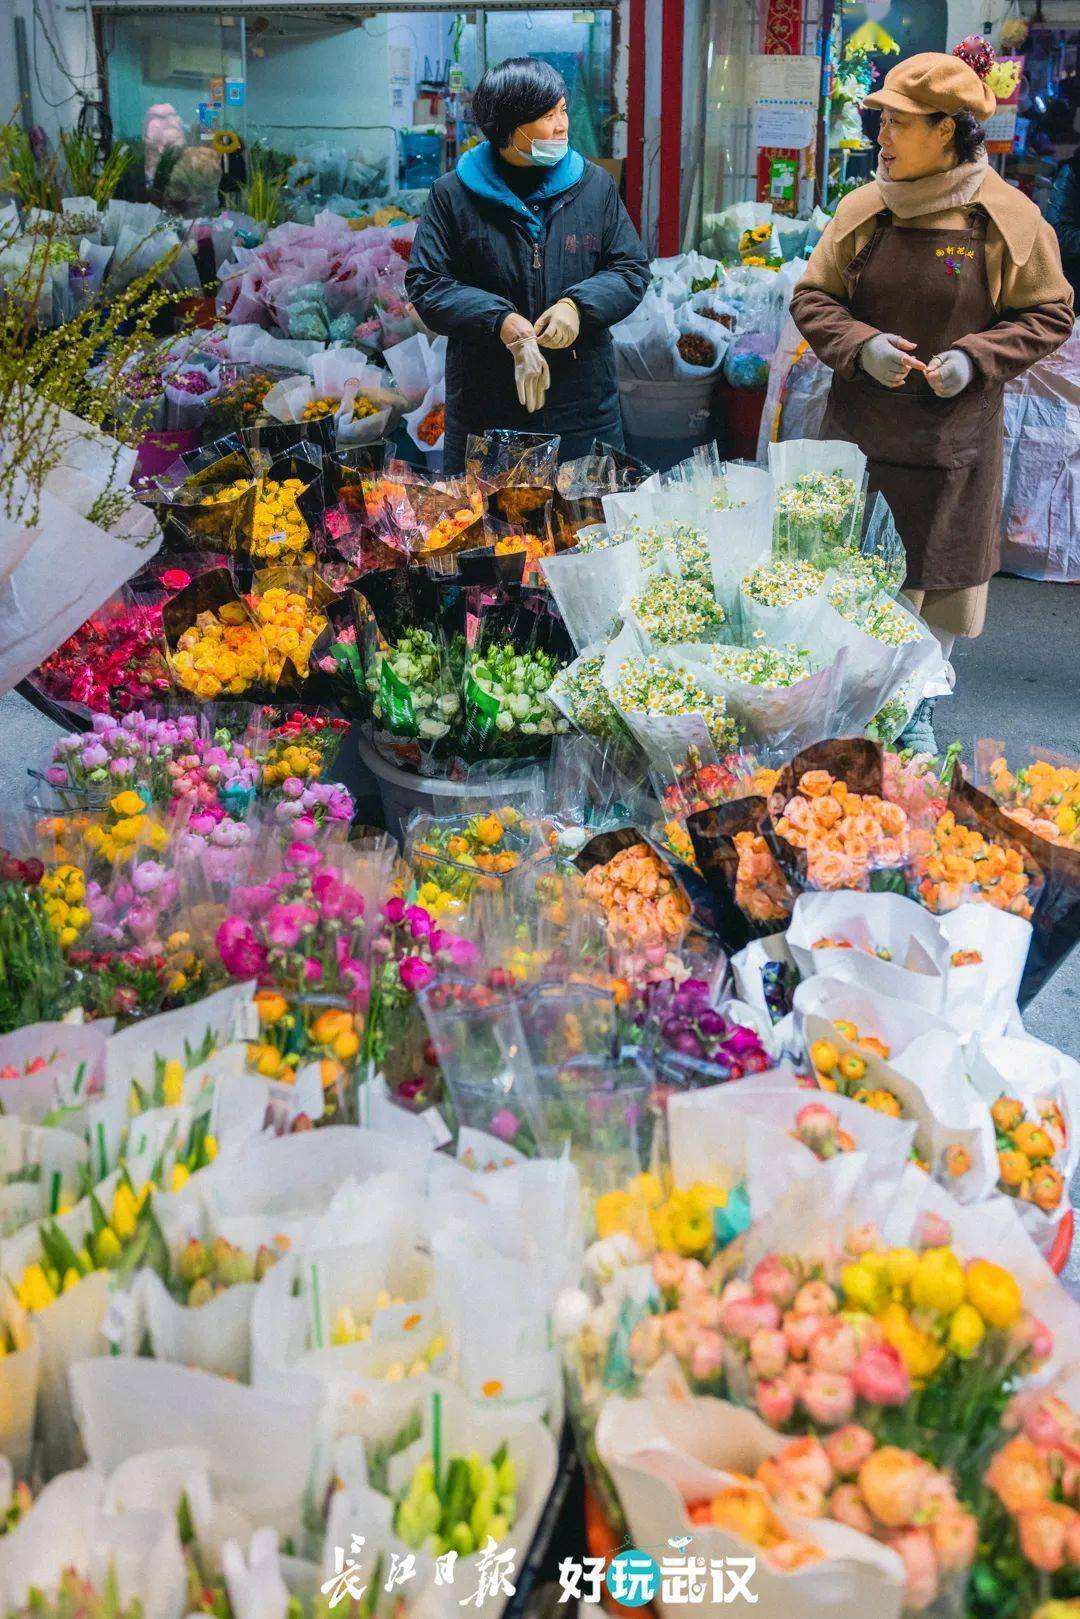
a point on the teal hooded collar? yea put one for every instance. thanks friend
(479, 173)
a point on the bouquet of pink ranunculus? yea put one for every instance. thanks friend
(883, 1491)
(302, 933)
(917, 1345)
(302, 929)
(409, 949)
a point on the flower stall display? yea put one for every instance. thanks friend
(682, 1049)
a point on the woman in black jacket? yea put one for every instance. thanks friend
(1063, 212)
(527, 247)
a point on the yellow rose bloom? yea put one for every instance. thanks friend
(919, 1350)
(127, 803)
(966, 1332)
(612, 1213)
(994, 1293)
(901, 1264)
(862, 1287)
(938, 1282)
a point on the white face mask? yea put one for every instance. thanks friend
(545, 153)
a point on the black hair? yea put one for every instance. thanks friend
(515, 93)
(969, 136)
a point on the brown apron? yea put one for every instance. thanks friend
(938, 462)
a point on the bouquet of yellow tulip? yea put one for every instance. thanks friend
(122, 1240)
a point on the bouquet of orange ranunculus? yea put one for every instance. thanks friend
(1030, 1515)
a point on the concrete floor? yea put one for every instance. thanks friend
(1017, 684)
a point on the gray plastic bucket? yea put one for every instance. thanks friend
(403, 793)
(679, 409)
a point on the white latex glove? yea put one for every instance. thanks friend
(558, 326)
(531, 373)
(888, 359)
(949, 373)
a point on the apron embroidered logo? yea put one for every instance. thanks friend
(953, 256)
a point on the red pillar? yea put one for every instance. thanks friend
(671, 76)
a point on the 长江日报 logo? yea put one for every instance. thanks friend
(677, 1576)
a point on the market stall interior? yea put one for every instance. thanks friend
(512, 1085)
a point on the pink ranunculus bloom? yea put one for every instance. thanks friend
(704, 1308)
(355, 974)
(816, 1123)
(768, 1352)
(934, 1231)
(461, 952)
(292, 787)
(505, 1125)
(328, 894)
(849, 1447)
(284, 923)
(415, 974)
(676, 1330)
(815, 1298)
(706, 1356)
(774, 1278)
(800, 1331)
(241, 953)
(668, 1271)
(795, 1374)
(695, 1279)
(252, 900)
(56, 775)
(351, 902)
(1042, 1340)
(736, 1289)
(743, 1317)
(881, 1377)
(147, 876)
(419, 921)
(302, 856)
(834, 1348)
(394, 910)
(312, 971)
(775, 1401)
(828, 1399)
(916, 1552)
(847, 1506)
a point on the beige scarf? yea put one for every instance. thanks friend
(933, 193)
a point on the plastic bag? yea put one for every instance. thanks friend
(514, 654)
(589, 583)
(582, 484)
(645, 341)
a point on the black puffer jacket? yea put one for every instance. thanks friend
(481, 253)
(1063, 212)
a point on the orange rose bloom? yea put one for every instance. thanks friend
(1007, 1113)
(1013, 1168)
(1044, 1532)
(1033, 1140)
(1047, 1187)
(1019, 1475)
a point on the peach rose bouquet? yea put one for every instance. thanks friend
(886, 1492)
(843, 836)
(1030, 1514)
